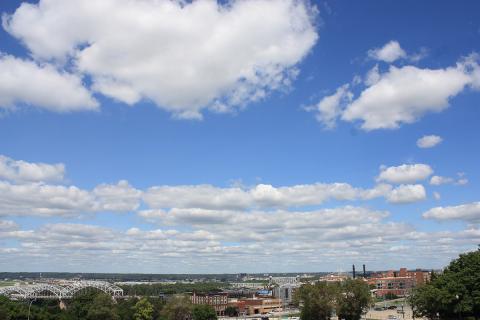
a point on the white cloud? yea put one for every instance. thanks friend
(262, 195)
(18, 170)
(429, 141)
(330, 236)
(405, 173)
(403, 95)
(118, 197)
(373, 76)
(407, 194)
(57, 200)
(182, 56)
(390, 52)
(469, 212)
(436, 195)
(330, 107)
(438, 180)
(7, 225)
(41, 85)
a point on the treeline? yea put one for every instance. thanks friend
(118, 276)
(158, 289)
(103, 307)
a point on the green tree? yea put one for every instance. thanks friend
(77, 308)
(231, 311)
(353, 298)
(316, 301)
(177, 308)
(125, 308)
(454, 294)
(4, 314)
(203, 312)
(102, 308)
(143, 310)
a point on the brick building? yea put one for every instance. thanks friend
(218, 301)
(399, 283)
(250, 306)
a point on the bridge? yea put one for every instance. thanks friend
(59, 291)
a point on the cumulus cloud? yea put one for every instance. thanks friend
(330, 107)
(18, 170)
(184, 57)
(261, 195)
(405, 173)
(117, 197)
(41, 85)
(429, 141)
(407, 194)
(343, 234)
(390, 52)
(403, 95)
(57, 200)
(469, 212)
(438, 180)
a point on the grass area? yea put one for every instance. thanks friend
(6, 283)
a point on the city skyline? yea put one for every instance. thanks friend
(244, 136)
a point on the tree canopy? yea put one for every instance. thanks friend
(143, 310)
(453, 294)
(319, 301)
(203, 312)
(353, 299)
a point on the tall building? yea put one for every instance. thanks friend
(285, 293)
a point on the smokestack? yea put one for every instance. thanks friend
(364, 272)
(353, 271)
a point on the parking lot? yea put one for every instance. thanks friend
(385, 314)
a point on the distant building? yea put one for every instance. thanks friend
(399, 283)
(218, 301)
(333, 278)
(248, 285)
(250, 306)
(284, 280)
(285, 293)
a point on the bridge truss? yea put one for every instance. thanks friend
(64, 290)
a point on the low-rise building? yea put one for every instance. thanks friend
(252, 306)
(333, 278)
(399, 283)
(399, 286)
(219, 301)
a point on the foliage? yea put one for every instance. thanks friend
(177, 308)
(125, 308)
(203, 312)
(102, 308)
(390, 296)
(317, 301)
(353, 298)
(143, 310)
(89, 305)
(453, 294)
(231, 311)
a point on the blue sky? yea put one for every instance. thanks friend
(205, 120)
